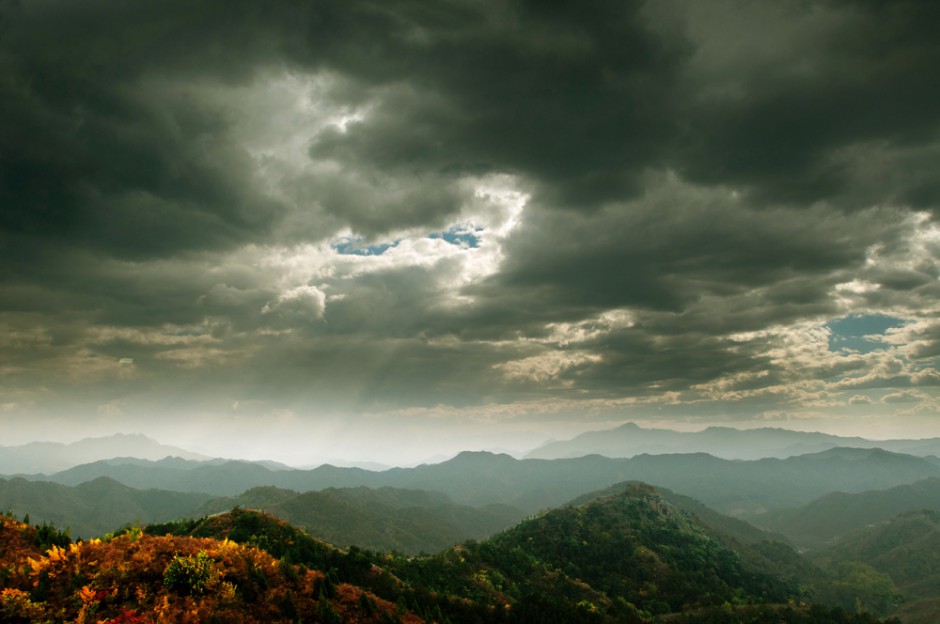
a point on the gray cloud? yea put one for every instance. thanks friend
(808, 119)
(619, 202)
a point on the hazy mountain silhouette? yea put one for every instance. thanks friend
(49, 457)
(480, 478)
(629, 440)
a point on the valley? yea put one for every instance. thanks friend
(670, 537)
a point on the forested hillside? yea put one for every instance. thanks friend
(906, 551)
(625, 554)
(95, 507)
(138, 578)
(625, 557)
(408, 521)
(839, 514)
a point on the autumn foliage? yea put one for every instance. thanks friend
(138, 578)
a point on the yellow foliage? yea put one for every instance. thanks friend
(36, 565)
(97, 581)
(56, 554)
(86, 593)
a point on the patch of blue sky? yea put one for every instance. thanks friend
(465, 236)
(858, 332)
(356, 247)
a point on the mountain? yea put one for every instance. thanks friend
(718, 523)
(50, 457)
(838, 514)
(95, 507)
(760, 551)
(622, 555)
(629, 440)
(408, 521)
(629, 558)
(220, 477)
(635, 545)
(480, 478)
(729, 486)
(905, 549)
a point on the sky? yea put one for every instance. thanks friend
(390, 230)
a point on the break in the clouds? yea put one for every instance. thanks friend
(406, 214)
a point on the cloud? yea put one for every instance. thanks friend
(926, 377)
(657, 218)
(907, 396)
(814, 102)
(546, 366)
(302, 302)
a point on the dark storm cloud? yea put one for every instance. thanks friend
(706, 170)
(667, 252)
(580, 98)
(688, 261)
(801, 127)
(96, 156)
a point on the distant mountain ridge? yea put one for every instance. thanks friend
(49, 457)
(480, 478)
(630, 440)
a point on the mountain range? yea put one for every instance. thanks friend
(626, 555)
(629, 440)
(49, 457)
(480, 478)
(597, 544)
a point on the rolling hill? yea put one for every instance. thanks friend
(95, 507)
(907, 550)
(626, 556)
(838, 514)
(408, 521)
(629, 556)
